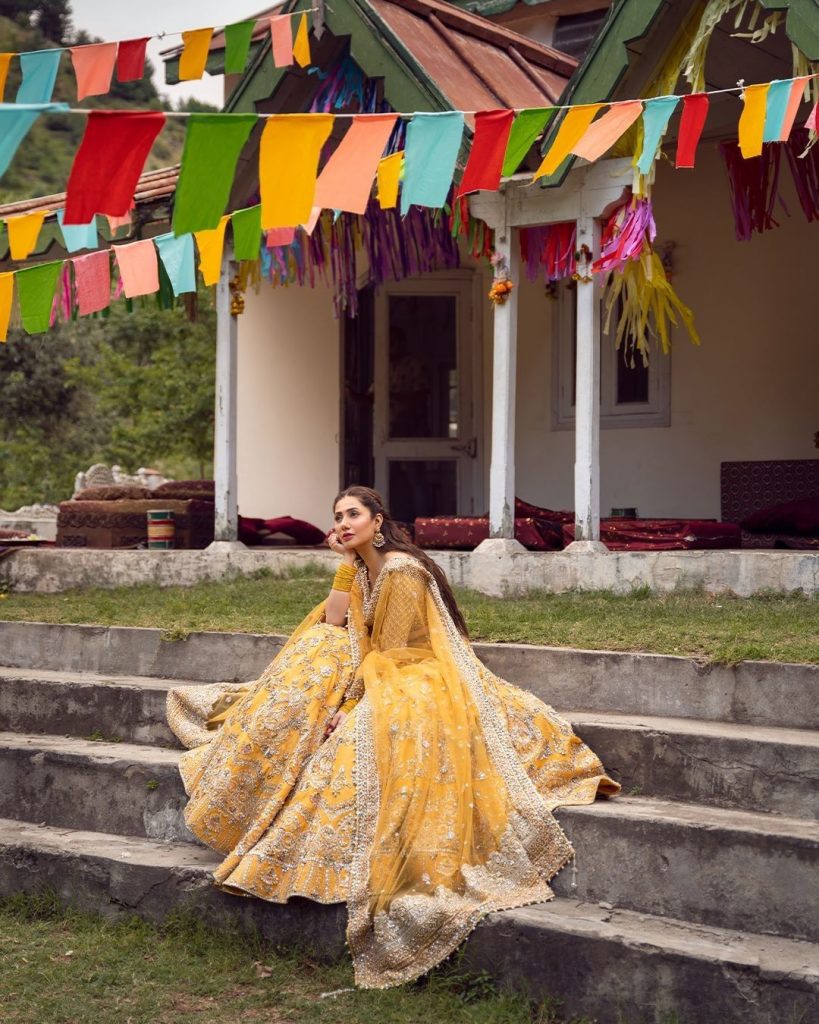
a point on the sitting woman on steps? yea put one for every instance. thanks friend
(377, 762)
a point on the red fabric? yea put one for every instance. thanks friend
(525, 509)
(109, 162)
(131, 59)
(467, 532)
(663, 534)
(483, 168)
(798, 518)
(692, 122)
(261, 531)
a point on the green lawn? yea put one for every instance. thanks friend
(775, 627)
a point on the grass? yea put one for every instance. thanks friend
(60, 966)
(719, 628)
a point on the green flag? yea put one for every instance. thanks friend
(528, 125)
(35, 293)
(247, 233)
(237, 46)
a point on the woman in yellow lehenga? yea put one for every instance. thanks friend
(377, 762)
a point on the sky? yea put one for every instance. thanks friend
(112, 20)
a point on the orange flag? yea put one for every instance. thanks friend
(281, 40)
(6, 297)
(138, 268)
(93, 67)
(301, 44)
(211, 244)
(347, 178)
(24, 232)
(5, 60)
(601, 136)
(196, 45)
(752, 119)
(288, 161)
(574, 125)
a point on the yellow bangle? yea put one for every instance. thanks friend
(344, 578)
(348, 705)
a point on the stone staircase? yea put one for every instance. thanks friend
(695, 893)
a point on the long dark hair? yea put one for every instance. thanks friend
(396, 540)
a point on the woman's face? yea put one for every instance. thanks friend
(355, 526)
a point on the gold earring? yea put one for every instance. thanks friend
(379, 540)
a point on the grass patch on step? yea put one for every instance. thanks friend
(723, 628)
(63, 967)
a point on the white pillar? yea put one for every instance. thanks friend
(226, 532)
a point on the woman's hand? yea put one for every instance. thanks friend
(335, 544)
(335, 722)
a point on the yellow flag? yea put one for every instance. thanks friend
(5, 60)
(288, 163)
(210, 245)
(752, 119)
(196, 45)
(24, 232)
(301, 44)
(575, 123)
(389, 174)
(6, 296)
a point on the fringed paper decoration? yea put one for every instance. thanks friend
(288, 161)
(92, 281)
(656, 115)
(238, 37)
(301, 44)
(138, 268)
(131, 59)
(78, 236)
(39, 69)
(213, 143)
(6, 300)
(35, 293)
(433, 143)
(600, 136)
(571, 130)
(109, 162)
(93, 68)
(485, 163)
(177, 258)
(804, 165)
(194, 56)
(24, 232)
(211, 245)
(549, 249)
(15, 123)
(281, 40)
(389, 175)
(346, 180)
(528, 125)
(5, 60)
(754, 186)
(692, 122)
(752, 119)
(625, 236)
(247, 232)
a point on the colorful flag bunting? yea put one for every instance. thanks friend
(15, 122)
(752, 119)
(288, 161)
(237, 46)
(5, 60)
(131, 59)
(213, 143)
(656, 116)
(528, 125)
(782, 107)
(247, 233)
(600, 136)
(346, 181)
(39, 75)
(138, 268)
(301, 44)
(93, 68)
(24, 232)
(692, 122)
(78, 236)
(35, 293)
(109, 162)
(176, 254)
(389, 174)
(281, 40)
(433, 143)
(485, 163)
(92, 279)
(194, 57)
(211, 245)
(6, 299)
(571, 130)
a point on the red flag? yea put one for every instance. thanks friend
(692, 122)
(109, 162)
(483, 168)
(131, 59)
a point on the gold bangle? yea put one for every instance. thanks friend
(344, 578)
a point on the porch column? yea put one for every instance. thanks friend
(226, 531)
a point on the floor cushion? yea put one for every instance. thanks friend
(466, 532)
(663, 534)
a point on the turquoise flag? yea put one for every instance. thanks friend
(15, 121)
(247, 233)
(778, 96)
(176, 253)
(433, 142)
(656, 115)
(78, 236)
(35, 293)
(39, 75)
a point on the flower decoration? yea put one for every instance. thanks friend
(502, 285)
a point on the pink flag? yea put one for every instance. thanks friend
(138, 268)
(93, 67)
(281, 38)
(794, 99)
(92, 277)
(279, 236)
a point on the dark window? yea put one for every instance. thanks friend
(574, 32)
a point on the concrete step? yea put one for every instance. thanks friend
(760, 768)
(613, 965)
(728, 868)
(755, 693)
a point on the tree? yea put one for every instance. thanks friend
(52, 18)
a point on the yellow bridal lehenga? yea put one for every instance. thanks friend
(428, 808)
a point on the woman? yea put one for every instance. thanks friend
(378, 762)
